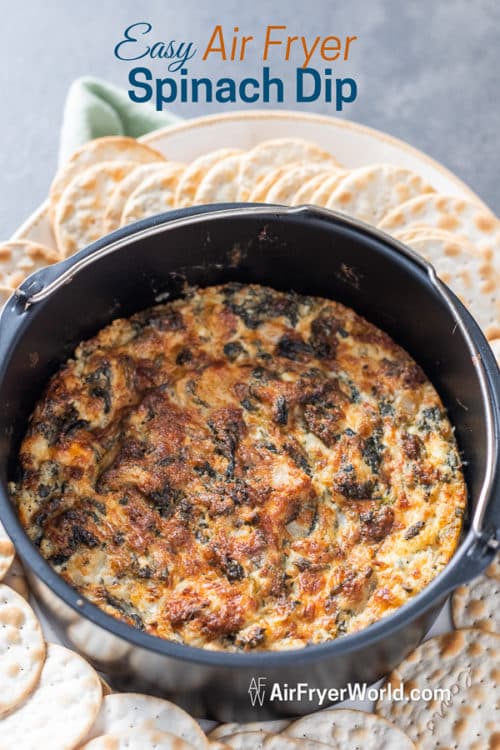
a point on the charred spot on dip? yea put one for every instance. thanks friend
(242, 468)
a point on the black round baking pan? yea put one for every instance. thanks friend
(309, 250)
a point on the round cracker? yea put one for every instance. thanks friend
(272, 727)
(20, 258)
(465, 662)
(495, 347)
(62, 708)
(220, 183)
(279, 742)
(22, 649)
(16, 578)
(123, 711)
(285, 188)
(414, 234)
(268, 155)
(122, 192)
(154, 195)
(369, 193)
(265, 741)
(347, 727)
(247, 740)
(465, 270)
(305, 193)
(7, 552)
(322, 194)
(110, 148)
(138, 739)
(261, 189)
(223, 730)
(106, 687)
(477, 604)
(461, 216)
(79, 219)
(196, 171)
(421, 232)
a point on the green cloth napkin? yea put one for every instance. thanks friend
(95, 108)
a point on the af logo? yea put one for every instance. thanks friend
(257, 690)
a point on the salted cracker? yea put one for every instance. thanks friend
(268, 155)
(246, 740)
(420, 232)
(109, 148)
(123, 191)
(196, 171)
(368, 193)
(266, 182)
(271, 727)
(285, 188)
(22, 650)
(79, 218)
(220, 183)
(7, 552)
(495, 347)
(138, 739)
(124, 711)
(322, 194)
(255, 740)
(60, 710)
(223, 730)
(461, 266)
(306, 191)
(465, 663)
(279, 742)
(20, 258)
(347, 727)
(106, 687)
(462, 216)
(154, 195)
(477, 604)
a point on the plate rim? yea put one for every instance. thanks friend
(41, 211)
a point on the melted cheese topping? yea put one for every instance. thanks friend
(243, 469)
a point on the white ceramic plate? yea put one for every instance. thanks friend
(352, 144)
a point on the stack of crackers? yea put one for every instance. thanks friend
(115, 181)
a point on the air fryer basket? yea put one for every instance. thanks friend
(309, 250)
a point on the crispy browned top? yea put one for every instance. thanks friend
(243, 468)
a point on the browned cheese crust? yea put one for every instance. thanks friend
(243, 469)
